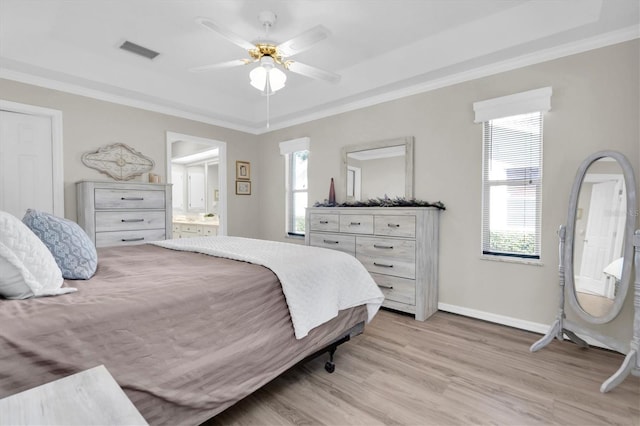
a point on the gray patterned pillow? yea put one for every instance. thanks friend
(70, 246)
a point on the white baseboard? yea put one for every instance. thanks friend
(535, 327)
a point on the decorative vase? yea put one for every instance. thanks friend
(332, 193)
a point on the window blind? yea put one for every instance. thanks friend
(512, 178)
(297, 192)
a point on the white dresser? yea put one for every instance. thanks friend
(191, 228)
(124, 213)
(397, 245)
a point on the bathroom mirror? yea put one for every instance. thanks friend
(599, 245)
(195, 178)
(378, 169)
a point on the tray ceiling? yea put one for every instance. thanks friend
(383, 49)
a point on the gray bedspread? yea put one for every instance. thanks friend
(184, 334)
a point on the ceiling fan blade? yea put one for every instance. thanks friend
(228, 64)
(232, 37)
(313, 72)
(303, 41)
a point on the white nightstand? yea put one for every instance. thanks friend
(91, 397)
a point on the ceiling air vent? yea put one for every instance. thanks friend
(139, 50)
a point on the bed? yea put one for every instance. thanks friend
(185, 334)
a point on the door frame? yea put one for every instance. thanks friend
(56, 146)
(222, 170)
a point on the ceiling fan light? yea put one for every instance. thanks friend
(260, 74)
(277, 79)
(258, 77)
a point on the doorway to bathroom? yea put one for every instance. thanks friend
(197, 169)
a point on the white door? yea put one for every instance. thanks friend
(195, 184)
(26, 163)
(599, 237)
(177, 179)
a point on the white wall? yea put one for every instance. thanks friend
(89, 124)
(594, 107)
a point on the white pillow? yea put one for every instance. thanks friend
(27, 267)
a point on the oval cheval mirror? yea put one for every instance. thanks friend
(599, 246)
(600, 237)
(596, 251)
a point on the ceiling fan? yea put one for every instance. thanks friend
(267, 77)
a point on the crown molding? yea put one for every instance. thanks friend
(603, 40)
(76, 89)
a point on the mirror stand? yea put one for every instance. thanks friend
(561, 326)
(631, 363)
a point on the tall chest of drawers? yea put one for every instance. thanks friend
(398, 246)
(124, 213)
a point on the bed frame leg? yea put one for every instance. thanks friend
(330, 366)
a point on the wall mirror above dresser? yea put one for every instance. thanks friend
(378, 169)
(596, 257)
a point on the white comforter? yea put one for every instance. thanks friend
(316, 282)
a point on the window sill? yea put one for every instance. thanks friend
(294, 237)
(507, 259)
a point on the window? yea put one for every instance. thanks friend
(296, 153)
(512, 173)
(297, 189)
(512, 178)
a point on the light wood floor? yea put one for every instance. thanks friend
(449, 370)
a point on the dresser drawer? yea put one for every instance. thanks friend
(190, 227)
(324, 222)
(345, 243)
(188, 234)
(128, 199)
(401, 290)
(356, 223)
(120, 238)
(388, 248)
(209, 230)
(395, 226)
(389, 256)
(125, 221)
(386, 266)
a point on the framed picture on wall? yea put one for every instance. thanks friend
(243, 187)
(243, 170)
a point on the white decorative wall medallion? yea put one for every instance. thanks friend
(119, 161)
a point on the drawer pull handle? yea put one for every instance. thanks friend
(383, 265)
(331, 242)
(132, 198)
(388, 287)
(378, 246)
(355, 223)
(324, 222)
(131, 220)
(393, 225)
(126, 240)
